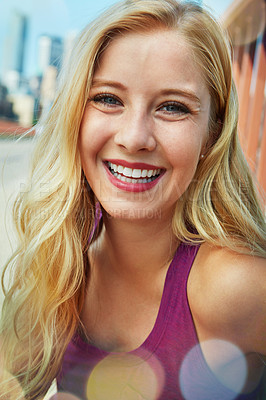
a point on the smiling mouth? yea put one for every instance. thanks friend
(133, 175)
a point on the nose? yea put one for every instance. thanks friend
(136, 133)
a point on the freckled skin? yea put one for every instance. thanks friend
(143, 122)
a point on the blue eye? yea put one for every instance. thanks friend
(106, 99)
(175, 108)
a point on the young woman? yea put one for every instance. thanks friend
(140, 270)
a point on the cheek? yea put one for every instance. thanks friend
(183, 155)
(94, 133)
(184, 152)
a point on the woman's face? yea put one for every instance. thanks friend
(145, 124)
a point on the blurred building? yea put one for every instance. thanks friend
(50, 57)
(48, 88)
(23, 106)
(6, 106)
(15, 45)
(16, 102)
(50, 52)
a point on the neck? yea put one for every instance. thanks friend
(137, 248)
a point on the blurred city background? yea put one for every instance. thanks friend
(36, 37)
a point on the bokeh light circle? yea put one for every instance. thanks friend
(126, 377)
(214, 369)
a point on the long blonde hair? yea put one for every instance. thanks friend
(56, 216)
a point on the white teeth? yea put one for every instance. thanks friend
(126, 174)
(136, 173)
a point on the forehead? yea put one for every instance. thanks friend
(161, 57)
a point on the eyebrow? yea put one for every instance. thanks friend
(100, 82)
(182, 92)
(179, 92)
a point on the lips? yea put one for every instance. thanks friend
(133, 176)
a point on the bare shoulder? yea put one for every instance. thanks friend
(227, 295)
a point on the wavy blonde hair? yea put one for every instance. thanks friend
(56, 216)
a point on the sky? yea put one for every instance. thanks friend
(58, 17)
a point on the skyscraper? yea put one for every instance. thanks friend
(16, 43)
(50, 50)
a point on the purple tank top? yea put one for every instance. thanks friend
(160, 368)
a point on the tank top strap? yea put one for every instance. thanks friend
(178, 309)
(183, 258)
(174, 301)
(180, 267)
